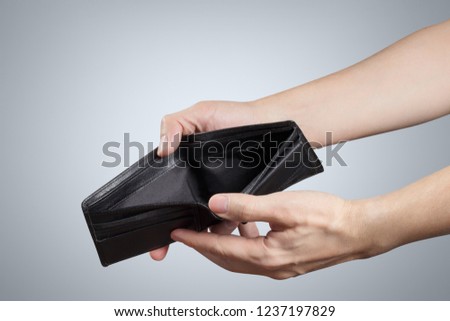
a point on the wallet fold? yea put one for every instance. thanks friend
(137, 210)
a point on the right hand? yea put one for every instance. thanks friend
(201, 117)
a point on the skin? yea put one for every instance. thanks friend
(403, 85)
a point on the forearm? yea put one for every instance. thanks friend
(405, 84)
(418, 211)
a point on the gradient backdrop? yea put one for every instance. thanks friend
(76, 74)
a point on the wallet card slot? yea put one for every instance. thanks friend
(111, 235)
(133, 171)
(139, 241)
(121, 214)
(156, 216)
(114, 204)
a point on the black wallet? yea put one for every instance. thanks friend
(136, 211)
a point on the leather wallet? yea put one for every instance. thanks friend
(136, 211)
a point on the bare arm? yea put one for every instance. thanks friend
(407, 83)
(313, 230)
(403, 85)
(418, 211)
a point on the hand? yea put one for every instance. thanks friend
(207, 116)
(309, 231)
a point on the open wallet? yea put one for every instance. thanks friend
(137, 210)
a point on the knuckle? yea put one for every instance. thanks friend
(165, 119)
(243, 209)
(273, 260)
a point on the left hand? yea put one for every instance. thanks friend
(309, 231)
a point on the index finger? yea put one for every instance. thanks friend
(185, 122)
(249, 250)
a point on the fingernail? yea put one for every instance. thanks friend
(219, 204)
(162, 145)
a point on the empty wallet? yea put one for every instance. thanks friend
(136, 211)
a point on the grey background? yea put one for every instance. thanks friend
(74, 75)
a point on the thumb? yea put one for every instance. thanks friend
(249, 208)
(171, 132)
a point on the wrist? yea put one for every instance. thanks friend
(295, 105)
(269, 110)
(374, 228)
